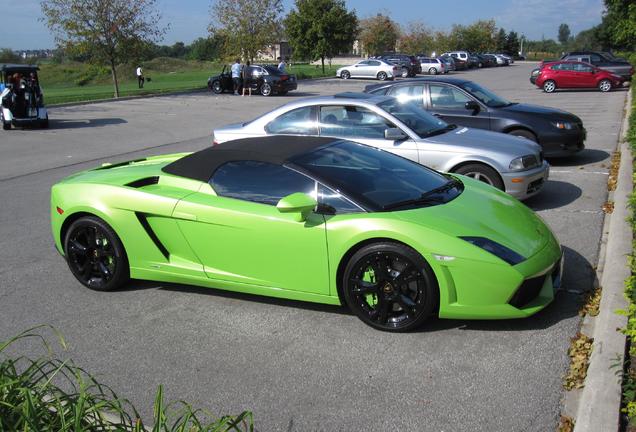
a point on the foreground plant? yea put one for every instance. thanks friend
(47, 394)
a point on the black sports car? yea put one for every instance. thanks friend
(466, 103)
(265, 79)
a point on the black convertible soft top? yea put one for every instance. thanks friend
(276, 149)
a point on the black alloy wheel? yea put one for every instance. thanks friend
(382, 76)
(605, 85)
(345, 75)
(266, 89)
(216, 87)
(390, 287)
(95, 254)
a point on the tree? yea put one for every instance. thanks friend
(500, 40)
(320, 28)
(378, 34)
(618, 28)
(477, 37)
(248, 26)
(564, 33)
(416, 39)
(512, 43)
(108, 32)
(206, 48)
(8, 56)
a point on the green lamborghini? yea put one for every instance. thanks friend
(314, 219)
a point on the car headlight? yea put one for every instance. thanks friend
(498, 250)
(563, 125)
(524, 163)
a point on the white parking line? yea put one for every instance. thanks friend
(578, 172)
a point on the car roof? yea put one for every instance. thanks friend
(454, 81)
(276, 149)
(7, 67)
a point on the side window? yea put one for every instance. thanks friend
(557, 67)
(352, 122)
(579, 67)
(334, 199)
(363, 63)
(298, 122)
(259, 182)
(596, 58)
(447, 97)
(374, 63)
(408, 93)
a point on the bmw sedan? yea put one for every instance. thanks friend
(466, 103)
(512, 164)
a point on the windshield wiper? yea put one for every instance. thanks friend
(426, 197)
(441, 130)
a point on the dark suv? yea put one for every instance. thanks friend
(410, 64)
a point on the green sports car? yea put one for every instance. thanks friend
(315, 219)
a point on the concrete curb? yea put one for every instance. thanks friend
(599, 403)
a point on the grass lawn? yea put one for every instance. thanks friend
(76, 82)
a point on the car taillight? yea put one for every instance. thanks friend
(284, 77)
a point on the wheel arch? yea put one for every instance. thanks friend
(513, 127)
(356, 247)
(75, 216)
(463, 163)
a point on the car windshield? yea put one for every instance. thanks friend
(485, 96)
(418, 120)
(376, 179)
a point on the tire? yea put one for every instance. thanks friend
(480, 65)
(390, 287)
(405, 73)
(5, 125)
(605, 85)
(382, 76)
(482, 173)
(524, 133)
(266, 89)
(95, 255)
(432, 71)
(549, 86)
(217, 87)
(345, 75)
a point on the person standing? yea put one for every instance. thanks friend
(236, 75)
(246, 76)
(281, 65)
(140, 77)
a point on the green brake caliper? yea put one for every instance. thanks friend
(369, 276)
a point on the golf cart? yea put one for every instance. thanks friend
(21, 97)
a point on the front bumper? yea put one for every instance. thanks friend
(513, 292)
(563, 143)
(524, 184)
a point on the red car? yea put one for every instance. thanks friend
(575, 74)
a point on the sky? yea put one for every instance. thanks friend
(189, 19)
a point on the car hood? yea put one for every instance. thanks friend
(470, 140)
(537, 109)
(482, 211)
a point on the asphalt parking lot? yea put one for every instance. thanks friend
(298, 367)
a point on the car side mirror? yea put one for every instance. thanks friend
(394, 134)
(472, 106)
(298, 203)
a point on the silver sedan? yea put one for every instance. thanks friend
(371, 68)
(509, 163)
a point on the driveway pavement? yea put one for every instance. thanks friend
(298, 367)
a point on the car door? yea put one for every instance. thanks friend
(240, 236)
(449, 103)
(361, 69)
(363, 125)
(373, 68)
(583, 75)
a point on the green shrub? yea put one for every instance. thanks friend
(52, 395)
